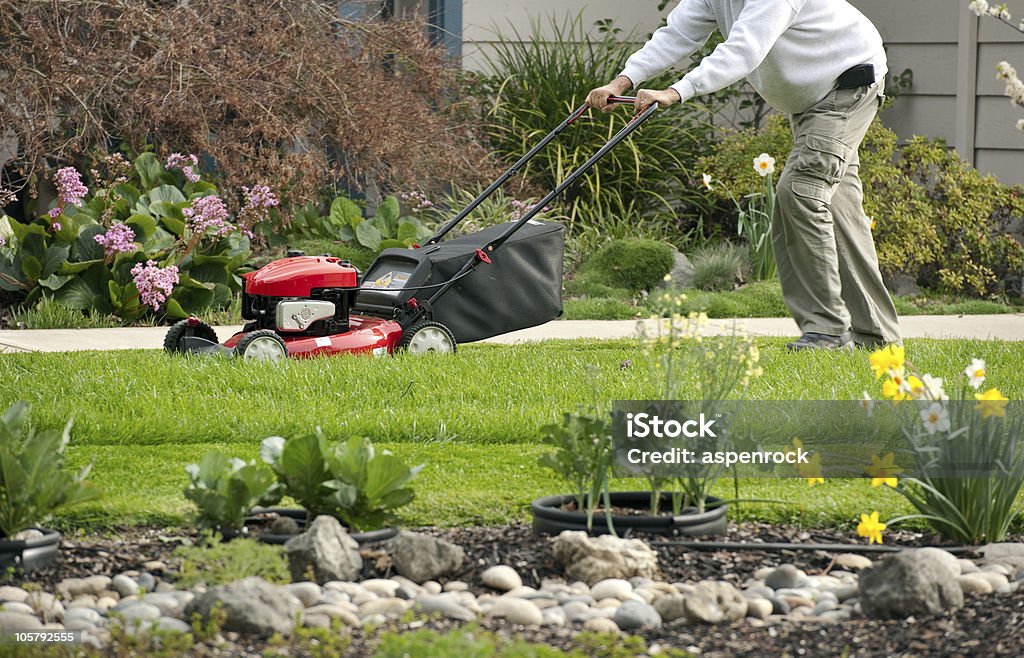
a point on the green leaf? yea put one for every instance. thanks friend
(55, 281)
(144, 227)
(78, 294)
(175, 226)
(166, 209)
(32, 268)
(387, 216)
(85, 247)
(407, 233)
(172, 309)
(149, 168)
(368, 236)
(192, 298)
(345, 212)
(394, 244)
(56, 256)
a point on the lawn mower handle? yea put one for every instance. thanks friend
(481, 254)
(576, 114)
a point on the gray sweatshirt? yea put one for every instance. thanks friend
(792, 51)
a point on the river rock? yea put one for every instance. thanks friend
(611, 588)
(445, 605)
(973, 585)
(11, 593)
(671, 607)
(517, 611)
(999, 583)
(759, 608)
(914, 582)
(593, 559)
(17, 621)
(785, 577)
(420, 557)
(284, 525)
(852, 561)
(601, 625)
(125, 585)
(307, 592)
(502, 578)
(635, 615)
(325, 548)
(715, 602)
(252, 605)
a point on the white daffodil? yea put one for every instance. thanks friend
(867, 404)
(764, 164)
(975, 373)
(707, 180)
(933, 388)
(935, 418)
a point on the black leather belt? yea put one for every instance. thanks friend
(862, 75)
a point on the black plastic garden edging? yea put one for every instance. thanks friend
(30, 554)
(549, 518)
(299, 515)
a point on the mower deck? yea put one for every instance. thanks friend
(366, 335)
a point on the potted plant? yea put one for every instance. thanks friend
(684, 363)
(34, 485)
(353, 481)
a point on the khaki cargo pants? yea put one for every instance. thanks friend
(822, 239)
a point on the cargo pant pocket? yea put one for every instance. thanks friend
(823, 158)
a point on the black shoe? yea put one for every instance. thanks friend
(869, 342)
(815, 341)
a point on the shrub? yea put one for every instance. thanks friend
(225, 489)
(288, 92)
(146, 238)
(719, 266)
(631, 264)
(936, 217)
(33, 483)
(351, 481)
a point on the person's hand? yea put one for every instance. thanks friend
(598, 98)
(647, 97)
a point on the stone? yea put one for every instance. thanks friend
(966, 566)
(327, 550)
(420, 557)
(601, 625)
(252, 606)
(852, 561)
(823, 606)
(671, 607)
(715, 602)
(305, 591)
(846, 592)
(636, 615)
(924, 581)
(759, 608)
(785, 577)
(998, 568)
(136, 610)
(455, 586)
(169, 604)
(10, 593)
(172, 625)
(432, 587)
(98, 584)
(347, 617)
(576, 611)
(380, 586)
(593, 559)
(554, 616)
(386, 607)
(125, 585)
(1000, 584)
(517, 611)
(973, 585)
(444, 605)
(284, 525)
(681, 274)
(18, 621)
(17, 606)
(45, 605)
(611, 588)
(903, 285)
(146, 581)
(501, 577)
(316, 620)
(154, 566)
(25, 535)
(92, 617)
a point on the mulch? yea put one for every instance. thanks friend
(986, 626)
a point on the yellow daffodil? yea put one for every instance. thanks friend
(913, 387)
(991, 403)
(873, 224)
(883, 470)
(893, 388)
(889, 358)
(871, 528)
(812, 470)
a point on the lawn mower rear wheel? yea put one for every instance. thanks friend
(427, 336)
(262, 345)
(174, 341)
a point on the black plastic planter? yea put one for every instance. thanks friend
(30, 554)
(299, 515)
(550, 518)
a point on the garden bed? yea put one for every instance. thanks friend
(976, 629)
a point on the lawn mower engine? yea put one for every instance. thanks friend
(301, 295)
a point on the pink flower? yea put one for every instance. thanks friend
(206, 214)
(259, 199)
(117, 240)
(56, 226)
(186, 164)
(154, 284)
(55, 212)
(70, 189)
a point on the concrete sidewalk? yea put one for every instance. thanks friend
(1001, 327)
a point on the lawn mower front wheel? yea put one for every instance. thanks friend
(262, 345)
(427, 336)
(174, 341)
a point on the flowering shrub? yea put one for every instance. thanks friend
(146, 238)
(968, 460)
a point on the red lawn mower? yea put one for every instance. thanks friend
(426, 299)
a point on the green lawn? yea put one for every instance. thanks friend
(472, 418)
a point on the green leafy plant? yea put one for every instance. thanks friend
(582, 456)
(351, 480)
(345, 222)
(33, 482)
(212, 562)
(226, 488)
(719, 266)
(966, 448)
(634, 265)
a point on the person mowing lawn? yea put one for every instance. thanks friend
(822, 63)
